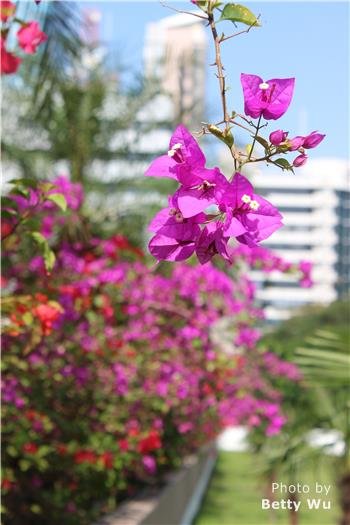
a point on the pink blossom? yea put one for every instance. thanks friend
(171, 222)
(209, 190)
(275, 426)
(149, 464)
(270, 98)
(30, 37)
(312, 140)
(185, 427)
(249, 217)
(212, 242)
(165, 248)
(278, 136)
(300, 160)
(184, 161)
(295, 143)
(247, 336)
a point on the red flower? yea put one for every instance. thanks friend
(30, 448)
(7, 9)
(121, 242)
(69, 289)
(107, 459)
(21, 308)
(9, 62)
(123, 444)
(6, 227)
(30, 37)
(31, 415)
(149, 443)
(47, 314)
(85, 456)
(6, 484)
(61, 449)
(42, 298)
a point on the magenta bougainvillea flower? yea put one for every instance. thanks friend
(278, 136)
(211, 242)
(30, 37)
(249, 217)
(207, 210)
(269, 98)
(184, 161)
(312, 140)
(171, 222)
(295, 143)
(300, 160)
(212, 186)
(165, 248)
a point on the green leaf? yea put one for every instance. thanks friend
(7, 202)
(39, 238)
(24, 465)
(8, 214)
(29, 183)
(224, 135)
(27, 318)
(58, 199)
(45, 250)
(239, 13)
(283, 163)
(262, 141)
(22, 192)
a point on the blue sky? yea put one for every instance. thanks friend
(307, 40)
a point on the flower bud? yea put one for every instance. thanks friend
(313, 140)
(296, 143)
(278, 136)
(300, 160)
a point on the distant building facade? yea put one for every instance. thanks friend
(175, 55)
(316, 213)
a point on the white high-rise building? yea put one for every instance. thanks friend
(315, 207)
(175, 56)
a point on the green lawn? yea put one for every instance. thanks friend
(235, 492)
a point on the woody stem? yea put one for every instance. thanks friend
(254, 140)
(220, 68)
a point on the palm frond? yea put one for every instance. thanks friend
(325, 359)
(61, 22)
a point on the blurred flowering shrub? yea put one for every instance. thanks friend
(110, 371)
(28, 36)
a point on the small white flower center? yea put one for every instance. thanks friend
(254, 205)
(174, 149)
(264, 85)
(246, 199)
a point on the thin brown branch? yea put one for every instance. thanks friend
(220, 68)
(254, 138)
(224, 38)
(240, 125)
(184, 12)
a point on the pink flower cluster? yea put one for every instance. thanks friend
(207, 210)
(261, 258)
(279, 139)
(29, 37)
(270, 99)
(131, 350)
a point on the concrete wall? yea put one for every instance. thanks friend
(177, 503)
